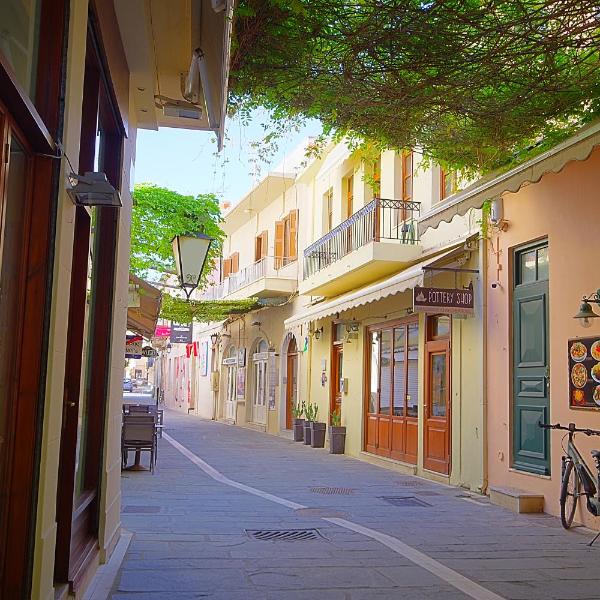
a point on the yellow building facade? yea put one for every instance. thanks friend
(346, 338)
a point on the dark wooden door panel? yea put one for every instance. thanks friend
(383, 436)
(412, 441)
(371, 434)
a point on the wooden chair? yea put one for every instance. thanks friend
(139, 434)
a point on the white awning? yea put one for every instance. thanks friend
(395, 284)
(577, 147)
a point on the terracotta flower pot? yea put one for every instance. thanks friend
(318, 435)
(337, 440)
(307, 433)
(298, 430)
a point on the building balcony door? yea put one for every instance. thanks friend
(436, 430)
(392, 412)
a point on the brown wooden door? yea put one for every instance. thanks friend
(437, 407)
(391, 420)
(337, 370)
(291, 390)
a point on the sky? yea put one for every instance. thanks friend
(187, 161)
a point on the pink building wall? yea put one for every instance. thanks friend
(564, 208)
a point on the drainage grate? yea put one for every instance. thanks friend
(141, 509)
(284, 535)
(404, 501)
(330, 491)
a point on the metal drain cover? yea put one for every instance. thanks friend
(404, 501)
(141, 509)
(330, 491)
(284, 535)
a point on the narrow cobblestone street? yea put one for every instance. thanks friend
(191, 524)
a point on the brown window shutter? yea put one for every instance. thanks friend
(279, 233)
(235, 262)
(293, 234)
(264, 244)
(258, 248)
(226, 267)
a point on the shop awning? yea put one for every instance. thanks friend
(142, 319)
(395, 284)
(577, 147)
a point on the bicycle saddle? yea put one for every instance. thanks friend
(596, 454)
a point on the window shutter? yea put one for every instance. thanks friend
(226, 267)
(235, 262)
(293, 235)
(258, 248)
(279, 233)
(264, 244)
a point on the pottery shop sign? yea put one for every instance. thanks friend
(181, 334)
(443, 300)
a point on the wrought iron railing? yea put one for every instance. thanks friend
(268, 266)
(381, 219)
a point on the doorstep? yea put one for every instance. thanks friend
(388, 463)
(517, 500)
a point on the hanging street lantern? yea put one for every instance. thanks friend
(586, 312)
(190, 252)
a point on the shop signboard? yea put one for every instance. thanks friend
(204, 359)
(584, 373)
(450, 301)
(162, 331)
(149, 352)
(181, 334)
(240, 382)
(133, 346)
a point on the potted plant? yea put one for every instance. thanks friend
(298, 414)
(337, 434)
(317, 430)
(308, 413)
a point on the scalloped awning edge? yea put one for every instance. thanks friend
(577, 147)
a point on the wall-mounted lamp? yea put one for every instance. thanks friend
(586, 311)
(214, 338)
(352, 326)
(169, 348)
(317, 333)
(93, 189)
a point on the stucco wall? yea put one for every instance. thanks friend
(564, 208)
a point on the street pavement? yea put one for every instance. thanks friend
(214, 484)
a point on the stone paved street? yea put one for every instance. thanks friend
(190, 540)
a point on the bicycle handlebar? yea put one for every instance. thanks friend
(570, 428)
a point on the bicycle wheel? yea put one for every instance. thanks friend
(569, 495)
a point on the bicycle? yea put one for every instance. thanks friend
(575, 474)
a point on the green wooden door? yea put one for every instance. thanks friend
(531, 402)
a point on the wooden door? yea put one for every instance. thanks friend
(531, 394)
(436, 430)
(291, 386)
(259, 407)
(391, 403)
(337, 371)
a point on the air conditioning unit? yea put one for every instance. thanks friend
(182, 111)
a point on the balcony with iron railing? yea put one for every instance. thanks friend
(376, 240)
(268, 277)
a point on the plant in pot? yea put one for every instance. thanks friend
(309, 416)
(317, 431)
(337, 434)
(298, 411)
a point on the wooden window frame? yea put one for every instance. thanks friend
(328, 198)
(444, 175)
(39, 125)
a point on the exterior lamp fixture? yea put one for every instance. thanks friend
(93, 189)
(169, 348)
(317, 333)
(214, 338)
(190, 251)
(585, 309)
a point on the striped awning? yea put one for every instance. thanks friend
(577, 147)
(396, 284)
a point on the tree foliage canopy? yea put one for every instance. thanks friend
(470, 82)
(159, 214)
(206, 311)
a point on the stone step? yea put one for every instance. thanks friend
(517, 500)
